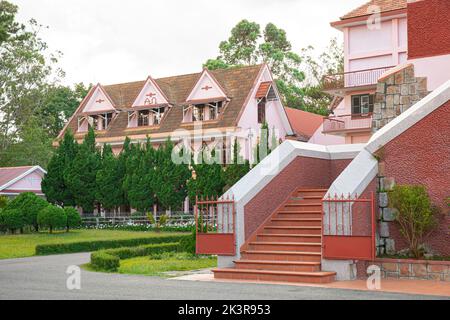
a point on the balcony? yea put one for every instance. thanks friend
(342, 124)
(339, 84)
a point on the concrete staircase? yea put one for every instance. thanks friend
(288, 247)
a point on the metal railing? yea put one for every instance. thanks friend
(349, 227)
(352, 79)
(347, 122)
(215, 222)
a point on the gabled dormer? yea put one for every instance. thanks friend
(150, 106)
(206, 100)
(98, 111)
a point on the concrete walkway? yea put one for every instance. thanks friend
(432, 288)
(44, 278)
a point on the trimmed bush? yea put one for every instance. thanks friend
(12, 219)
(52, 217)
(102, 260)
(89, 246)
(188, 244)
(73, 218)
(109, 260)
(30, 205)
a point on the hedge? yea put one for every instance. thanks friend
(109, 260)
(89, 246)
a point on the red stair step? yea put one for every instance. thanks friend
(292, 230)
(281, 255)
(275, 276)
(310, 238)
(296, 266)
(307, 222)
(286, 246)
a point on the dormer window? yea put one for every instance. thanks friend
(202, 112)
(266, 90)
(98, 122)
(146, 117)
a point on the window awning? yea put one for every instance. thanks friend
(263, 89)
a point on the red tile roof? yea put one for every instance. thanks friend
(304, 124)
(263, 89)
(8, 174)
(385, 6)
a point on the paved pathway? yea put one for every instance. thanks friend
(45, 278)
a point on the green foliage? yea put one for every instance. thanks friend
(209, 179)
(416, 216)
(170, 179)
(29, 205)
(52, 217)
(109, 180)
(73, 218)
(80, 177)
(298, 76)
(3, 201)
(188, 244)
(109, 260)
(55, 185)
(95, 245)
(12, 219)
(8, 26)
(104, 261)
(237, 169)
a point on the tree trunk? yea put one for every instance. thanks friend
(51, 230)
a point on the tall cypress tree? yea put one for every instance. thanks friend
(81, 176)
(237, 169)
(54, 184)
(109, 181)
(140, 172)
(169, 182)
(209, 180)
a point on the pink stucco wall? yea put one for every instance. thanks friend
(303, 172)
(421, 155)
(31, 182)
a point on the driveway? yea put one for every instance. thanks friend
(44, 278)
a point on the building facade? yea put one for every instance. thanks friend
(17, 180)
(393, 57)
(211, 108)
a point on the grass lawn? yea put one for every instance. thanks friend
(168, 262)
(20, 246)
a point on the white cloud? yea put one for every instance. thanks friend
(117, 41)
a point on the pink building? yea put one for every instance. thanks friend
(17, 180)
(390, 62)
(210, 108)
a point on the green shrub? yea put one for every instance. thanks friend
(416, 216)
(73, 218)
(30, 205)
(89, 246)
(103, 261)
(188, 244)
(150, 218)
(109, 260)
(12, 219)
(52, 217)
(3, 202)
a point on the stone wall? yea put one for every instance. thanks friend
(396, 93)
(408, 269)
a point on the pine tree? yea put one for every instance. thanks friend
(141, 171)
(54, 184)
(169, 182)
(81, 176)
(209, 178)
(237, 169)
(109, 181)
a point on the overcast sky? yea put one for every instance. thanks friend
(111, 41)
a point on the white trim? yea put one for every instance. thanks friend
(260, 176)
(23, 175)
(410, 117)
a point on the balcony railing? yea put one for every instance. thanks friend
(353, 122)
(353, 79)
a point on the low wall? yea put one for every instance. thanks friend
(409, 269)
